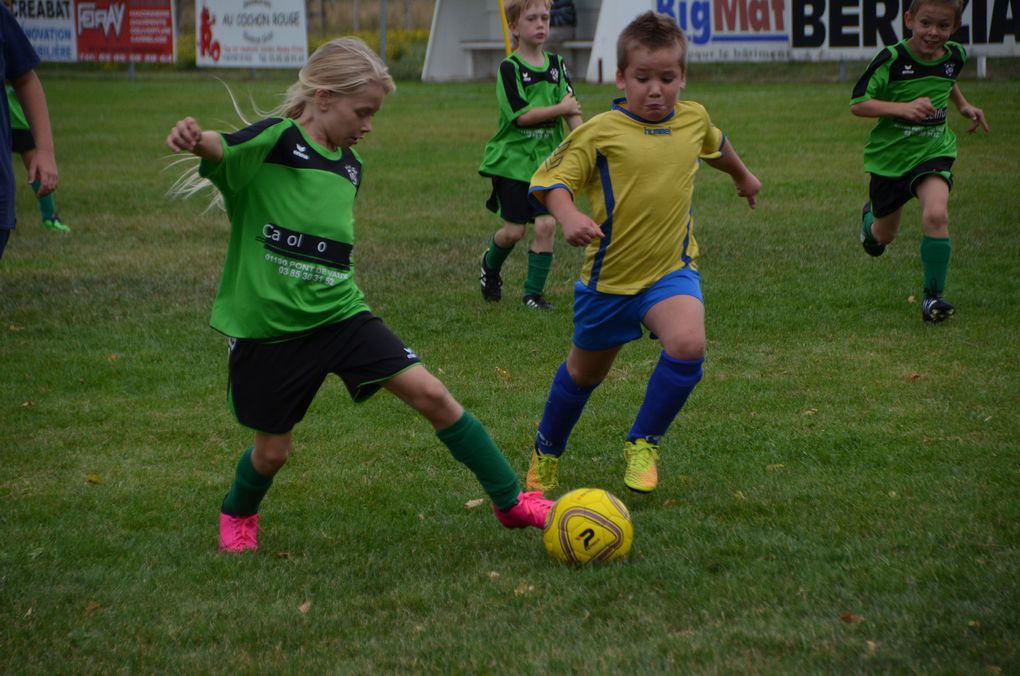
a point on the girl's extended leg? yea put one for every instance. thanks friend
(467, 439)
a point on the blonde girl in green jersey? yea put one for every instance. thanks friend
(288, 300)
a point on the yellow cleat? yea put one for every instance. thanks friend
(641, 475)
(544, 472)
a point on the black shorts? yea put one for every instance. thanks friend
(22, 141)
(509, 200)
(888, 193)
(271, 385)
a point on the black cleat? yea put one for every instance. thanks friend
(537, 301)
(491, 283)
(934, 310)
(870, 245)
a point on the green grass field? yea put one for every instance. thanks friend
(839, 495)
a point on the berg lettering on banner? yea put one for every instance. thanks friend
(852, 24)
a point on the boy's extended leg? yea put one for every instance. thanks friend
(669, 386)
(936, 248)
(679, 322)
(563, 408)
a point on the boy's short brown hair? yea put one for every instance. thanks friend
(513, 9)
(955, 5)
(651, 30)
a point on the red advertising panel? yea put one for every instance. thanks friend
(125, 30)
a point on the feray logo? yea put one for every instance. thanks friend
(109, 19)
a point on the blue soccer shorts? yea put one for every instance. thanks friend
(604, 320)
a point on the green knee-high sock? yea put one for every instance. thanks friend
(471, 444)
(935, 255)
(248, 489)
(496, 255)
(47, 205)
(539, 265)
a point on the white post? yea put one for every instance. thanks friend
(382, 30)
(982, 67)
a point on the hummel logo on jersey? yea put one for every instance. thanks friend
(299, 150)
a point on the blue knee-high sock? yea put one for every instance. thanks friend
(562, 410)
(669, 386)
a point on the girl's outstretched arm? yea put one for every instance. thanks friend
(187, 136)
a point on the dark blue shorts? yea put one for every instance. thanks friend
(604, 320)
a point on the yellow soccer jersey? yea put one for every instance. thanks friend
(639, 178)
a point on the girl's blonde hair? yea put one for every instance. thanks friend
(342, 66)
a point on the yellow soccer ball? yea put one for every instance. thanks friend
(588, 524)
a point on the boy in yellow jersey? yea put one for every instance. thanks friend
(636, 163)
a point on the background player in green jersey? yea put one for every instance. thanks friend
(23, 143)
(535, 97)
(287, 298)
(636, 163)
(911, 150)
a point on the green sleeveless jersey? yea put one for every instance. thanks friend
(896, 145)
(289, 266)
(515, 152)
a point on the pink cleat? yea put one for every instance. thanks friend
(239, 533)
(530, 510)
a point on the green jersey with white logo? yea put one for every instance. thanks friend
(515, 152)
(896, 145)
(289, 266)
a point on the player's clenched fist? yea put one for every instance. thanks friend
(185, 135)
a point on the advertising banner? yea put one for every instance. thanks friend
(826, 30)
(49, 25)
(250, 33)
(99, 30)
(130, 30)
